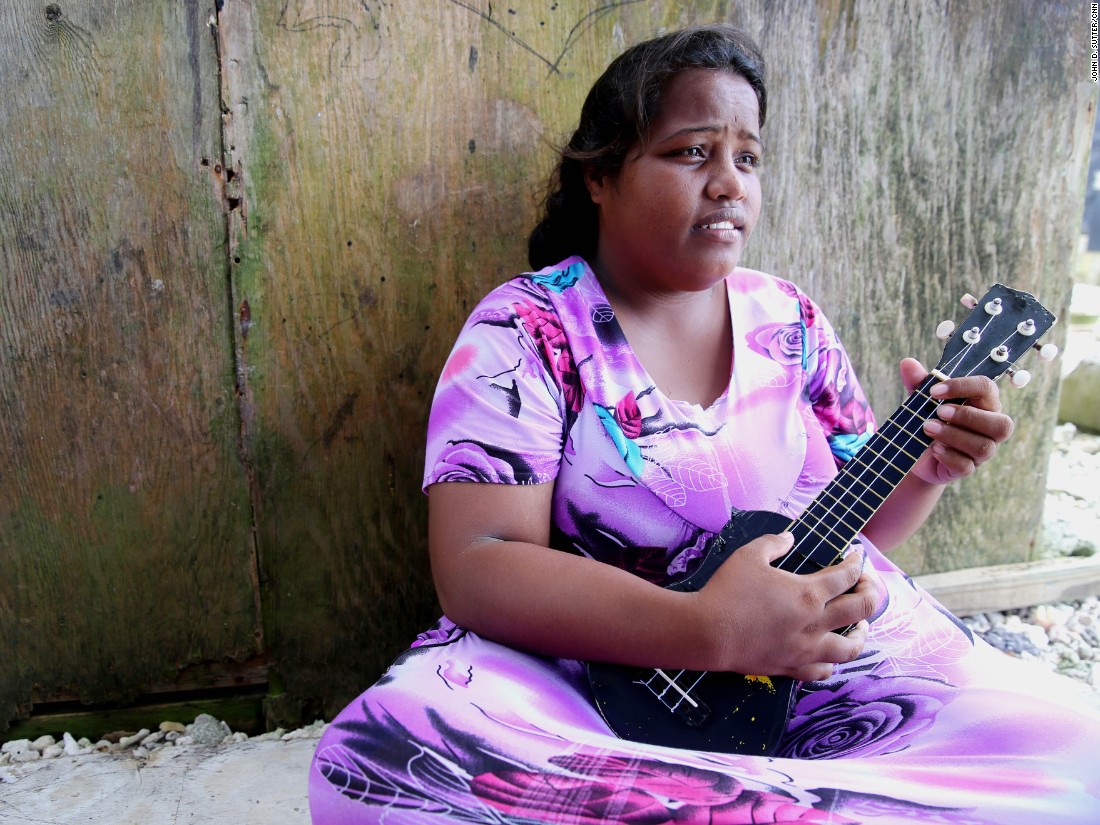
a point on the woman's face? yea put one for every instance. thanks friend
(676, 216)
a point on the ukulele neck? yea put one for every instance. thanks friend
(840, 511)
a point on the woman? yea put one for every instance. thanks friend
(616, 405)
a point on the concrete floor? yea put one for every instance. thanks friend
(251, 783)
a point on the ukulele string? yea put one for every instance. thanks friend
(848, 474)
(858, 468)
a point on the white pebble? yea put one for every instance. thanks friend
(71, 746)
(42, 742)
(127, 741)
(52, 752)
(15, 745)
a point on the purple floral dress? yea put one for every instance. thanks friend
(928, 725)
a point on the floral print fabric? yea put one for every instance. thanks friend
(928, 725)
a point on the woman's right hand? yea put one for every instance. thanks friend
(768, 621)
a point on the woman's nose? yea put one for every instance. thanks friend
(725, 182)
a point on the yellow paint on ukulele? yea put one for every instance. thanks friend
(764, 680)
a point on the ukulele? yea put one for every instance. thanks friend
(734, 713)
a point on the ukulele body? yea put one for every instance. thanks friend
(714, 711)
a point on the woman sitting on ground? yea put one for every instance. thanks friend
(596, 423)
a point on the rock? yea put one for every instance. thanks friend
(312, 731)
(42, 742)
(15, 745)
(1016, 643)
(133, 739)
(173, 727)
(70, 745)
(206, 730)
(52, 751)
(1080, 402)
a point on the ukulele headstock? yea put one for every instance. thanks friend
(1002, 326)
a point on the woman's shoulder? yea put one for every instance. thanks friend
(546, 284)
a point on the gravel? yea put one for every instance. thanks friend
(204, 731)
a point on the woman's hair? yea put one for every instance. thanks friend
(616, 116)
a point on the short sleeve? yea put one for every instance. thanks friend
(832, 388)
(499, 410)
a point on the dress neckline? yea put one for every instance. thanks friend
(652, 386)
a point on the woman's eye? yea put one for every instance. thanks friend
(693, 152)
(751, 161)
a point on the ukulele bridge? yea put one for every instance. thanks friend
(686, 704)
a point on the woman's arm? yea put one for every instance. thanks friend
(495, 575)
(963, 437)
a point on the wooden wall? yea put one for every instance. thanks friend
(236, 242)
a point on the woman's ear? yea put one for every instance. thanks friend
(596, 181)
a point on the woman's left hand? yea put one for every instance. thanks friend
(963, 435)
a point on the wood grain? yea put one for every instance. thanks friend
(237, 240)
(123, 521)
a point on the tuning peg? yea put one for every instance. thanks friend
(968, 301)
(993, 307)
(972, 335)
(945, 330)
(1026, 327)
(1047, 352)
(1018, 378)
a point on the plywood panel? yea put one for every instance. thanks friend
(124, 524)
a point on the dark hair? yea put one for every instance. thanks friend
(616, 116)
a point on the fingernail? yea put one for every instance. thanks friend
(946, 412)
(786, 535)
(938, 390)
(933, 427)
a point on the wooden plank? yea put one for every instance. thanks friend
(1013, 586)
(124, 521)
